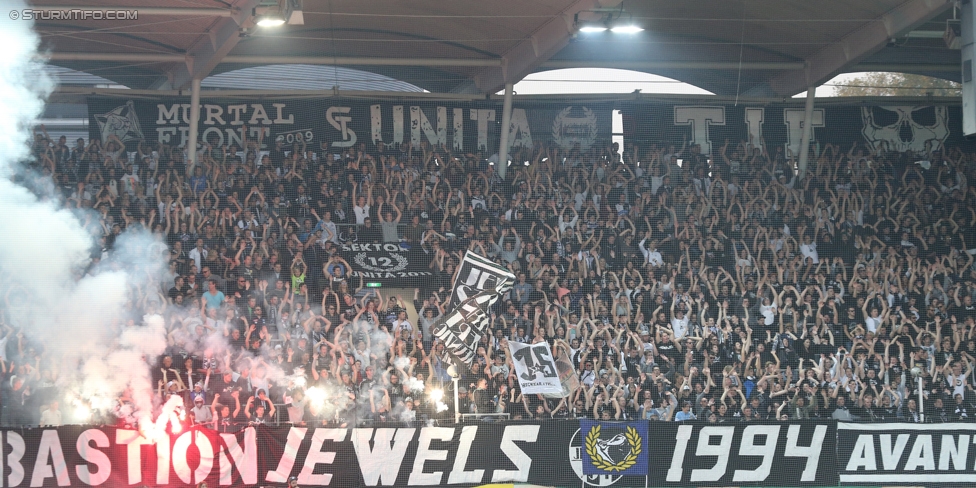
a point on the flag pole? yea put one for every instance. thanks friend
(457, 401)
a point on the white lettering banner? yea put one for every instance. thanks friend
(535, 368)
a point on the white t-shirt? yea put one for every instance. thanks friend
(578, 200)
(680, 326)
(587, 377)
(563, 224)
(197, 256)
(653, 256)
(403, 325)
(330, 231)
(361, 213)
(768, 312)
(956, 383)
(872, 323)
(656, 183)
(129, 183)
(51, 417)
(810, 251)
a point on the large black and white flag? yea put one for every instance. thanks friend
(477, 286)
(535, 368)
(462, 329)
(478, 275)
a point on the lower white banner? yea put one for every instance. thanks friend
(535, 368)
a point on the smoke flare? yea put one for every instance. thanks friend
(67, 306)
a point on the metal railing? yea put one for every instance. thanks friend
(485, 416)
(349, 229)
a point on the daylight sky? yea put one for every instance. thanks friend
(594, 80)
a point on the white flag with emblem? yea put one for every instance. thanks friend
(478, 285)
(535, 368)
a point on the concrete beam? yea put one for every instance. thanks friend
(210, 49)
(78, 94)
(264, 60)
(469, 63)
(854, 47)
(541, 45)
(147, 11)
(117, 57)
(655, 65)
(363, 61)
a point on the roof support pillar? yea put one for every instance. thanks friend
(191, 145)
(801, 166)
(506, 127)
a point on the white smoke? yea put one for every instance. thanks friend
(74, 311)
(411, 384)
(379, 345)
(170, 415)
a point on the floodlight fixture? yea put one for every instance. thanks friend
(626, 29)
(271, 20)
(590, 29)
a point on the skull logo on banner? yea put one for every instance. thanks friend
(905, 128)
(122, 121)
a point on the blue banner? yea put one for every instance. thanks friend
(614, 448)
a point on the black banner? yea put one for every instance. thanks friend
(897, 127)
(906, 454)
(743, 454)
(390, 264)
(268, 456)
(474, 126)
(340, 124)
(542, 453)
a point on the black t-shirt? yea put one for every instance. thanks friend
(396, 392)
(348, 311)
(667, 349)
(366, 385)
(224, 389)
(174, 291)
(236, 344)
(277, 156)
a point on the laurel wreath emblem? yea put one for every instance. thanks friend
(401, 263)
(566, 142)
(633, 439)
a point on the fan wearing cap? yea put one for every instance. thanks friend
(261, 413)
(199, 391)
(170, 389)
(408, 414)
(200, 412)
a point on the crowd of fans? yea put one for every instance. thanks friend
(719, 287)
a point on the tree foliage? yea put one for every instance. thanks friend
(897, 84)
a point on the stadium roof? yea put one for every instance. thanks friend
(756, 48)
